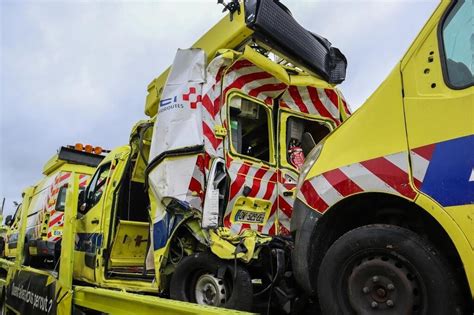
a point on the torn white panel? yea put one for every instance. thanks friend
(178, 125)
(210, 214)
(171, 177)
(179, 122)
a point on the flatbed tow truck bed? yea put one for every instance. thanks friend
(27, 290)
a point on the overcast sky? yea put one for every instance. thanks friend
(77, 71)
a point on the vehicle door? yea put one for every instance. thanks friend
(439, 107)
(294, 128)
(36, 216)
(251, 165)
(12, 234)
(89, 237)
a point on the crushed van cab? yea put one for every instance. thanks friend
(212, 173)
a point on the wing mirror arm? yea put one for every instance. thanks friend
(82, 204)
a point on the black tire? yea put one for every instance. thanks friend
(2, 301)
(237, 281)
(386, 269)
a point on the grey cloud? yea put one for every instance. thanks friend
(77, 71)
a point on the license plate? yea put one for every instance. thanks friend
(249, 217)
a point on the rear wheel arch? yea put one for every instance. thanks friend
(380, 208)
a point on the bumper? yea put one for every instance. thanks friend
(303, 222)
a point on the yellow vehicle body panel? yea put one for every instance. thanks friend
(123, 303)
(457, 233)
(383, 130)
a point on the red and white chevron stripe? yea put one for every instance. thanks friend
(195, 195)
(56, 217)
(312, 100)
(250, 79)
(83, 180)
(211, 106)
(262, 183)
(285, 205)
(420, 160)
(389, 174)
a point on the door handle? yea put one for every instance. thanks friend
(288, 193)
(95, 221)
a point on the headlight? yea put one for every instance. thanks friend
(308, 163)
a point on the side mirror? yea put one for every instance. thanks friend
(81, 204)
(9, 220)
(307, 143)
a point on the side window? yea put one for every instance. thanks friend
(61, 200)
(97, 185)
(17, 216)
(250, 128)
(458, 42)
(297, 129)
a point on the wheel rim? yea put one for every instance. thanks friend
(210, 290)
(383, 284)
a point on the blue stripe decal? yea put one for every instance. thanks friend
(448, 179)
(163, 229)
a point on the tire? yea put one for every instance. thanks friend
(201, 270)
(386, 269)
(2, 301)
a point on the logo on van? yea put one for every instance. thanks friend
(192, 97)
(172, 102)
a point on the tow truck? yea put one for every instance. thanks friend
(29, 290)
(46, 210)
(211, 238)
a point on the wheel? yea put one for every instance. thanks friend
(386, 269)
(203, 278)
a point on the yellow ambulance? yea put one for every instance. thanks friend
(384, 216)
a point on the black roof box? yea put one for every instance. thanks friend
(275, 27)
